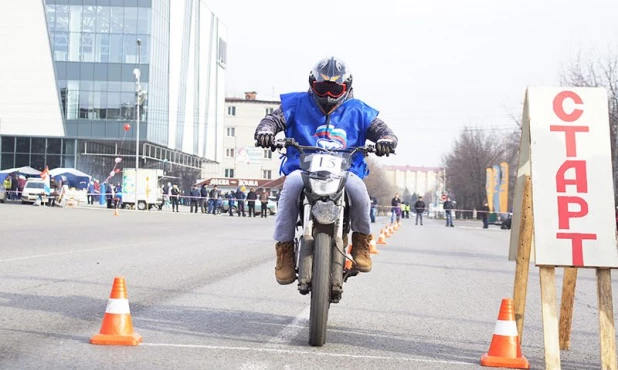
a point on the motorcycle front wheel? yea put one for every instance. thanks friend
(320, 289)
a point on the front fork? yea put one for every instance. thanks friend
(305, 255)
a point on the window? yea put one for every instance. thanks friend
(267, 174)
(229, 153)
(222, 51)
(268, 154)
(230, 132)
(231, 111)
(229, 172)
(269, 110)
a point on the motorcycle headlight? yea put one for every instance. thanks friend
(325, 212)
(324, 187)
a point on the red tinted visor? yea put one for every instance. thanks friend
(332, 89)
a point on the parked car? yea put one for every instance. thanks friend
(32, 190)
(2, 194)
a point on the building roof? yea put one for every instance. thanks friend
(413, 168)
(253, 101)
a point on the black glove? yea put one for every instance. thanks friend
(385, 147)
(265, 139)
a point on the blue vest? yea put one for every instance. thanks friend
(345, 128)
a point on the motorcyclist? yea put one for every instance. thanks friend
(329, 116)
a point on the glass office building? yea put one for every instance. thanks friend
(88, 69)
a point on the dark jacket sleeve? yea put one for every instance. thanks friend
(379, 130)
(273, 122)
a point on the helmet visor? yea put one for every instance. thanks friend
(328, 88)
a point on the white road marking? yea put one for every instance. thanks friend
(287, 334)
(75, 252)
(309, 353)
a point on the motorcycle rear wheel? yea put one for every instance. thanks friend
(320, 289)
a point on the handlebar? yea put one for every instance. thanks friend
(289, 142)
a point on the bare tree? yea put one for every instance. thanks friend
(377, 183)
(602, 72)
(512, 142)
(474, 151)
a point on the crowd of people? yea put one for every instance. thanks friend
(211, 201)
(14, 185)
(400, 210)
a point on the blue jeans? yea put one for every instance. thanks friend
(449, 218)
(395, 215)
(288, 210)
(419, 216)
(372, 214)
(211, 205)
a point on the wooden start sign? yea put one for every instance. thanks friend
(564, 209)
(572, 183)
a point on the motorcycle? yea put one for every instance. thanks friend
(320, 253)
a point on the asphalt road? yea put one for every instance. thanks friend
(203, 296)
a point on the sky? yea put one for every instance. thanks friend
(429, 67)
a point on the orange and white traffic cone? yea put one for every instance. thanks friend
(117, 327)
(373, 249)
(381, 237)
(387, 232)
(115, 211)
(391, 228)
(505, 350)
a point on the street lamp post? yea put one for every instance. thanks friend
(138, 98)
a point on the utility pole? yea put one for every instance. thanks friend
(138, 98)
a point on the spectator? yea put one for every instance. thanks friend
(251, 198)
(405, 210)
(15, 187)
(21, 183)
(485, 215)
(231, 202)
(204, 198)
(448, 211)
(264, 203)
(374, 209)
(419, 208)
(240, 199)
(195, 194)
(212, 201)
(7, 186)
(395, 208)
(97, 191)
(175, 194)
(90, 192)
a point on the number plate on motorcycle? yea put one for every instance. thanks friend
(325, 162)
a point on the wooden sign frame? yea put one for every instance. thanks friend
(556, 329)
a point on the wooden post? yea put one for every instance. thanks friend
(547, 275)
(607, 332)
(566, 307)
(526, 228)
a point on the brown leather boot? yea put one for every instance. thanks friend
(285, 272)
(360, 251)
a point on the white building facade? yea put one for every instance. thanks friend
(241, 159)
(419, 180)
